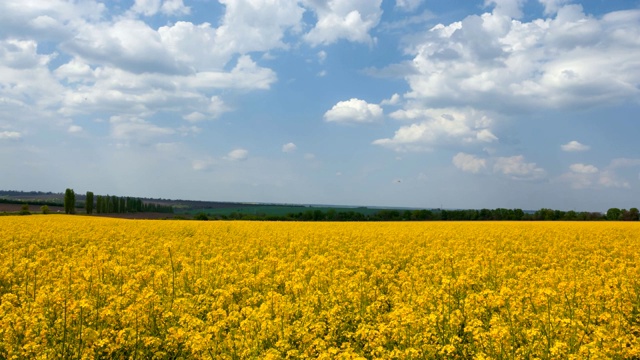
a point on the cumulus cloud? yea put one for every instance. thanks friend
(609, 179)
(215, 108)
(136, 129)
(583, 169)
(289, 147)
(584, 176)
(322, 56)
(257, 25)
(439, 127)
(177, 68)
(393, 100)
(513, 167)
(624, 163)
(343, 19)
(552, 6)
(74, 129)
(202, 164)
(27, 87)
(408, 5)
(152, 7)
(10, 135)
(510, 8)
(469, 163)
(517, 168)
(574, 146)
(237, 155)
(354, 111)
(492, 61)
(52, 19)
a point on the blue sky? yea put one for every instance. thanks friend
(456, 104)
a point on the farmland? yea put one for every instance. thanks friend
(89, 287)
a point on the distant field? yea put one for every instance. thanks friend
(11, 208)
(275, 210)
(90, 287)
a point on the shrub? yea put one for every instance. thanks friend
(25, 210)
(201, 216)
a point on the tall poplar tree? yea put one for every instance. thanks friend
(89, 203)
(69, 201)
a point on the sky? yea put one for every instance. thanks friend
(409, 103)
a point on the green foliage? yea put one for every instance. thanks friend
(111, 204)
(614, 214)
(89, 203)
(69, 201)
(45, 209)
(201, 216)
(25, 210)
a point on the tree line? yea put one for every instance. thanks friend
(111, 204)
(499, 214)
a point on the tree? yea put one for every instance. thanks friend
(614, 214)
(25, 210)
(89, 203)
(45, 209)
(201, 216)
(69, 201)
(631, 215)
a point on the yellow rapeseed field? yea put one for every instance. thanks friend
(83, 287)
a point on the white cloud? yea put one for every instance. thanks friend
(202, 164)
(574, 146)
(469, 163)
(408, 5)
(439, 127)
(485, 135)
(52, 19)
(354, 111)
(245, 75)
(343, 19)
(74, 129)
(257, 25)
(584, 176)
(112, 44)
(289, 147)
(172, 69)
(393, 100)
(136, 129)
(494, 62)
(174, 7)
(583, 169)
(509, 8)
(27, 88)
(322, 56)
(624, 163)
(609, 179)
(10, 135)
(75, 71)
(237, 155)
(516, 168)
(146, 7)
(195, 117)
(552, 6)
(611, 176)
